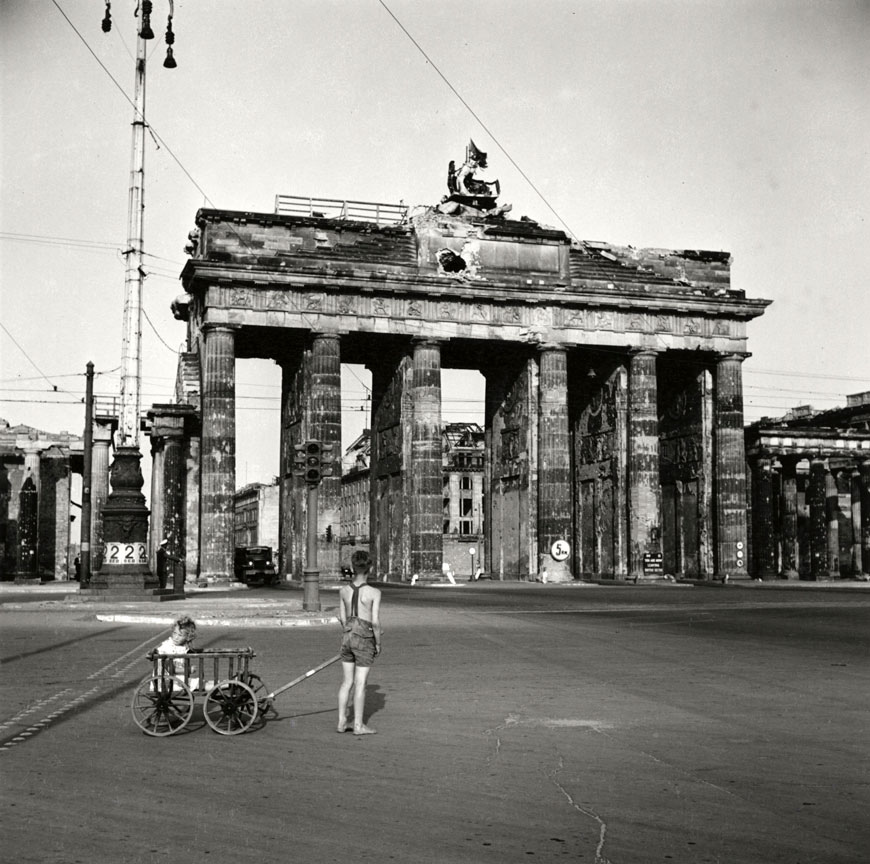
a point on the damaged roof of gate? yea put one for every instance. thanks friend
(432, 244)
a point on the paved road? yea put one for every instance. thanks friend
(516, 723)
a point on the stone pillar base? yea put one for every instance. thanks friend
(556, 571)
(432, 577)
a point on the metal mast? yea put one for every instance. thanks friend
(131, 348)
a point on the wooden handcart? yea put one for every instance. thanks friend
(234, 696)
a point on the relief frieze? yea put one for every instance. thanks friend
(314, 302)
(603, 320)
(242, 297)
(663, 324)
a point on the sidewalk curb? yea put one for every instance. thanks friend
(220, 622)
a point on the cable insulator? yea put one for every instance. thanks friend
(107, 20)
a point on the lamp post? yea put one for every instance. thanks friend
(125, 516)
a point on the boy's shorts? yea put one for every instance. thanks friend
(358, 643)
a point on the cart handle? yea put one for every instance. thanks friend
(308, 674)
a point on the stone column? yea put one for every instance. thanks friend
(832, 517)
(218, 453)
(173, 481)
(789, 510)
(32, 461)
(324, 425)
(191, 504)
(426, 460)
(855, 495)
(817, 495)
(155, 524)
(291, 541)
(554, 461)
(100, 460)
(453, 516)
(644, 485)
(864, 471)
(763, 534)
(730, 469)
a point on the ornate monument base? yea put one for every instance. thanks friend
(125, 573)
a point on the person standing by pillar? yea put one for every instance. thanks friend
(359, 614)
(161, 563)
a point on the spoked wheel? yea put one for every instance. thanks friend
(230, 708)
(162, 705)
(261, 692)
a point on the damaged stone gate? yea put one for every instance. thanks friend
(614, 412)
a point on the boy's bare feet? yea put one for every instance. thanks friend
(363, 730)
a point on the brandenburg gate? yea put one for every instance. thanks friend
(614, 397)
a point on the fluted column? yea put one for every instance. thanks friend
(426, 460)
(730, 469)
(832, 517)
(453, 516)
(644, 484)
(324, 425)
(218, 453)
(864, 471)
(855, 513)
(554, 461)
(763, 534)
(817, 498)
(100, 460)
(789, 509)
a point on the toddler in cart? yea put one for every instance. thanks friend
(180, 642)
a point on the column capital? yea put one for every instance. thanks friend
(551, 346)
(739, 356)
(431, 341)
(645, 352)
(218, 327)
(317, 335)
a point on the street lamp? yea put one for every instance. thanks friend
(125, 516)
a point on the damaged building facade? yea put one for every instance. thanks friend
(809, 475)
(614, 399)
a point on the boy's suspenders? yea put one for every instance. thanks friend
(354, 601)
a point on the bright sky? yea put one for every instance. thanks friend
(712, 124)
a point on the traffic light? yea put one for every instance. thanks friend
(313, 467)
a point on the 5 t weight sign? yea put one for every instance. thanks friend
(560, 550)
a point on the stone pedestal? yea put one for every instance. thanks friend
(125, 572)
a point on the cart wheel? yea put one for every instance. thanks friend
(261, 692)
(162, 705)
(230, 708)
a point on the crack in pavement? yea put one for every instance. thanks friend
(600, 857)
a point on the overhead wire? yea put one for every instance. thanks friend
(474, 114)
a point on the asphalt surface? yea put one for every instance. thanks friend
(515, 722)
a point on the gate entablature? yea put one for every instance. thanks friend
(459, 277)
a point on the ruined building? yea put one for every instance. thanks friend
(810, 493)
(36, 510)
(614, 397)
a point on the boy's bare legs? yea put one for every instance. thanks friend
(343, 696)
(361, 674)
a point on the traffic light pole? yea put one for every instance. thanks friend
(312, 462)
(311, 572)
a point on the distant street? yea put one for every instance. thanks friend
(515, 722)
